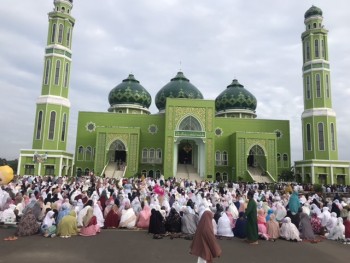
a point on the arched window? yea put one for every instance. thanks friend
(66, 75)
(308, 137)
(333, 136)
(144, 155)
(323, 49)
(308, 87)
(307, 50)
(318, 86)
(68, 37)
(60, 33)
(64, 124)
(224, 176)
(159, 155)
(144, 173)
(190, 124)
(52, 125)
(80, 154)
(224, 158)
(285, 160)
(157, 173)
(39, 125)
(57, 72)
(218, 158)
(278, 160)
(87, 171)
(53, 33)
(320, 137)
(118, 146)
(88, 154)
(327, 86)
(151, 154)
(317, 51)
(47, 72)
(79, 171)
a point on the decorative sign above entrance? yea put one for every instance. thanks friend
(196, 134)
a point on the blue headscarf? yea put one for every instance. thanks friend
(294, 203)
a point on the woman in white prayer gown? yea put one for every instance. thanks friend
(128, 218)
(338, 231)
(332, 222)
(81, 215)
(280, 212)
(289, 231)
(224, 226)
(99, 215)
(325, 216)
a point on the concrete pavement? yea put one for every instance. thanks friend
(138, 246)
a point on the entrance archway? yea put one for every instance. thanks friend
(256, 158)
(117, 152)
(185, 153)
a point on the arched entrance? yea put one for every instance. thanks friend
(256, 158)
(117, 153)
(185, 152)
(189, 150)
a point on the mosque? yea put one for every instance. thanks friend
(189, 136)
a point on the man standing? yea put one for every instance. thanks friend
(252, 224)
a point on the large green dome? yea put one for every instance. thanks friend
(313, 11)
(130, 92)
(235, 97)
(178, 87)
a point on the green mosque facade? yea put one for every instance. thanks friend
(189, 136)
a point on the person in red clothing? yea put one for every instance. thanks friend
(347, 229)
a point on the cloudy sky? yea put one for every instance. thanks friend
(257, 42)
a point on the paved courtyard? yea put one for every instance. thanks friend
(138, 246)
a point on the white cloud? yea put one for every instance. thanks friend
(257, 42)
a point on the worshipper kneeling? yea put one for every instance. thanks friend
(240, 226)
(90, 225)
(156, 224)
(224, 227)
(305, 228)
(338, 231)
(189, 222)
(273, 228)
(128, 218)
(262, 227)
(347, 229)
(112, 218)
(144, 216)
(289, 231)
(68, 225)
(48, 226)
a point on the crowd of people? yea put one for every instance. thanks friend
(177, 208)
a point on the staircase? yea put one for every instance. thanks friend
(257, 175)
(112, 171)
(187, 171)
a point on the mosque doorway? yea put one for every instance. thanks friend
(185, 152)
(118, 155)
(256, 160)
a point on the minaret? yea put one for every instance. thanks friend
(53, 105)
(318, 118)
(320, 162)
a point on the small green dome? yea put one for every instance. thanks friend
(313, 11)
(130, 92)
(178, 87)
(235, 97)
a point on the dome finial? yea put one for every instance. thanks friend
(180, 67)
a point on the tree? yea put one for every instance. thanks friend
(287, 176)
